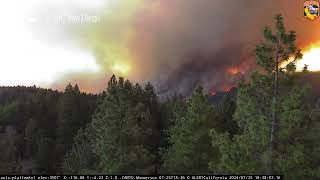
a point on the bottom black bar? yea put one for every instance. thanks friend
(140, 177)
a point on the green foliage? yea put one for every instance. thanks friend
(238, 154)
(8, 159)
(248, 152)
(80, 159)
(121, 132)
(74, 112)
(265, 52)
(31, 136)
(118, 126)
(226, 111)
(45, 159)
(189, 150)
(126, 129)
(35, 114)
(155, 122)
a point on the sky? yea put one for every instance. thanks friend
(35, 48)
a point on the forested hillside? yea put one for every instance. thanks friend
(269, 124)
(38, 125)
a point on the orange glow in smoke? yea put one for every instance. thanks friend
(233, 70)
(311, 57)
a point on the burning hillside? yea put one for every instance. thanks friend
(185, 43)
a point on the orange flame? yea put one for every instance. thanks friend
(311, 57)
(233, 70)
(228, 88)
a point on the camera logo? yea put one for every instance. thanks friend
(311, 10)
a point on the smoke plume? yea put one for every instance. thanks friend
(179, 44)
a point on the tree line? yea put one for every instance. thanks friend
(269, 125)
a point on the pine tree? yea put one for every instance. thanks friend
(226, 111)
(115, 134)
(80, 159)
(74, 111)
(65, 122)
(154, 122)
(189, 149)
(118, 126)
(272, 116)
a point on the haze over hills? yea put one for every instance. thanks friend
(156, 87)
(176, 45)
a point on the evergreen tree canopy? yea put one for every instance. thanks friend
(119, 131)
(273, 117)
(190, 150)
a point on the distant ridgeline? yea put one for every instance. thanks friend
(48, 132)
(269, 124)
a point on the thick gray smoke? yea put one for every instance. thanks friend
(179, 44)
(182, 43)
(204, 69)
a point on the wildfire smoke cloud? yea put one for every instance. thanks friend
(178, 44)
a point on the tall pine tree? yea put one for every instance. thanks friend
(272, 114)
(189, 140)
(116, 135)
